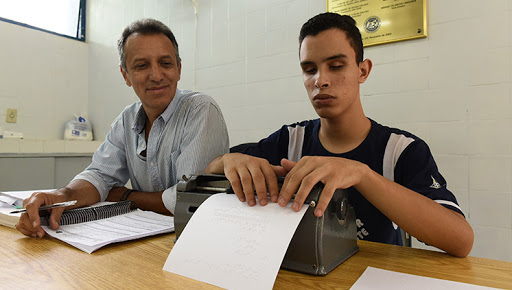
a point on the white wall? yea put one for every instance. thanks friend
(453, 88)
(44, 77)
(233, 47)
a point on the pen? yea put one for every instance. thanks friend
(59, 204)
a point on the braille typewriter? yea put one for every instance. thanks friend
(319, 244)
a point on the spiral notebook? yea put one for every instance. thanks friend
(92, 213)
(91, 228)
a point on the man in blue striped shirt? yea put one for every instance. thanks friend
(392, 179)
(152, 143)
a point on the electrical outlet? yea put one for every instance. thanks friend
(12, 116)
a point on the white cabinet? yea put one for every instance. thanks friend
(40, 171)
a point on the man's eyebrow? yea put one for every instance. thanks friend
(139, 59)
(144, 58)
(337, 56)
(303, 63)
(341, 55)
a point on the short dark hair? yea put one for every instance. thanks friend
(329, 20)
(145, 26)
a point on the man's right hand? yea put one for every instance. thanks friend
(30, 222)
(246, 173)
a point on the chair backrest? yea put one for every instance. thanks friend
(406, 238)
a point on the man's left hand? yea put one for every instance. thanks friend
(333, 172)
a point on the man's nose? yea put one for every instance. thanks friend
(156, 73)
(321, 80)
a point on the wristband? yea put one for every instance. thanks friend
(126, 194)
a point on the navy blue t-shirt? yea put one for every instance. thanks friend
(397, 155)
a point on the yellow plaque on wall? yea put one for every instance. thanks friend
(383, 21)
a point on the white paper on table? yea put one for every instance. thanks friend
(90, 236)
(228, 244)
(17, 197)
(374, 278)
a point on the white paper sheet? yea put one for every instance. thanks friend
(17, 197)
(13, 200)
(91, 236)
(228, 244)
(374, 278)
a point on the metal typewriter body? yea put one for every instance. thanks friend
(319, 244)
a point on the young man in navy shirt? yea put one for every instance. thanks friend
(391, 175)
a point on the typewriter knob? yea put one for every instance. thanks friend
(341, 208)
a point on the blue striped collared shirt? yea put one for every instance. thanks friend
(183, 140)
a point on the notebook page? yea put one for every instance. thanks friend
(90, 236)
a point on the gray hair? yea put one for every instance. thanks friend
(146, 26)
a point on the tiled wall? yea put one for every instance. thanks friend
(453, 89)
(44, 77)
(246, 58)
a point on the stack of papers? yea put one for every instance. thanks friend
(13, 200)
(8, 219)
(90, 236)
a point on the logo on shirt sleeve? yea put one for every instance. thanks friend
(435, 184)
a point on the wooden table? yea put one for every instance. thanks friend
(28, 263)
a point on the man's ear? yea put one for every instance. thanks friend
(364, 70)
(179, 71)
(125, 76)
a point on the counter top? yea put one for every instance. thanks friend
(39, 146)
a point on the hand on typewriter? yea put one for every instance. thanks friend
(246, 173)
(333, 172)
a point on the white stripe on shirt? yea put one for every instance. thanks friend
(296, 140)
(450, 203)
(396, 145)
